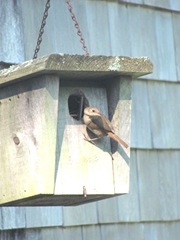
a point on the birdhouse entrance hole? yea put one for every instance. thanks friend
(76, 104)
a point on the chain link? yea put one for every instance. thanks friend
(41, 31)
(79, 33)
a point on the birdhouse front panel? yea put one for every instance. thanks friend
(80, 163)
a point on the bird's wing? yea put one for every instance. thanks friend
(104, 126)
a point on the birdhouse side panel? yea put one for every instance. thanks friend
(28, 117)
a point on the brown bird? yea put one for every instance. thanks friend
(98, 124)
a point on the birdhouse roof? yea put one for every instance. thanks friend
(78, 67)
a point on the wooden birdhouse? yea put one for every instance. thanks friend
(45, 157)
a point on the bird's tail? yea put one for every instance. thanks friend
(117, 139)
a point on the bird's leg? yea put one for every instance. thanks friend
(110, 153)
(87, 138)
(90, 137)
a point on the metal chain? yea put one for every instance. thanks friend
(79, 33)
(41, 31)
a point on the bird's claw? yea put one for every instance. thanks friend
(88, 139)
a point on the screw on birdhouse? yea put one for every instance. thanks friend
(84, 191)
(16, 140)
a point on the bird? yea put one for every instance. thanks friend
(99, 124)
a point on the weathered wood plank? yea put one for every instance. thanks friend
(128, 205)
(29, 234)
(153, 105)
(111, 231)
(161, 230)
(77, 67)
(11, 43)
(122, 231)
(161, 52)
(98, 16)
(118, 32)
(133, 231)
(80, 215)
(163, 99)
(72, 233)
(158, 3)
(43, 216)
(12, 218)
(176, 163)
(13, 234)
(175, 5)
(141, 125)
(108, 211)
(132, 1)
(168, 179)
(139, 20)
(73, 171)
(176, 30)
(91, 232)
(27, 148)
(148, 181)
(166, 65)
(119, 104)
(50, 233)
(158, 184)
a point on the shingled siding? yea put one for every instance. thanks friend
(133, 28)
(134, 231)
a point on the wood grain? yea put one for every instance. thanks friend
(28, 115)
(79, 162)
(119, 103)
(77, 67)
